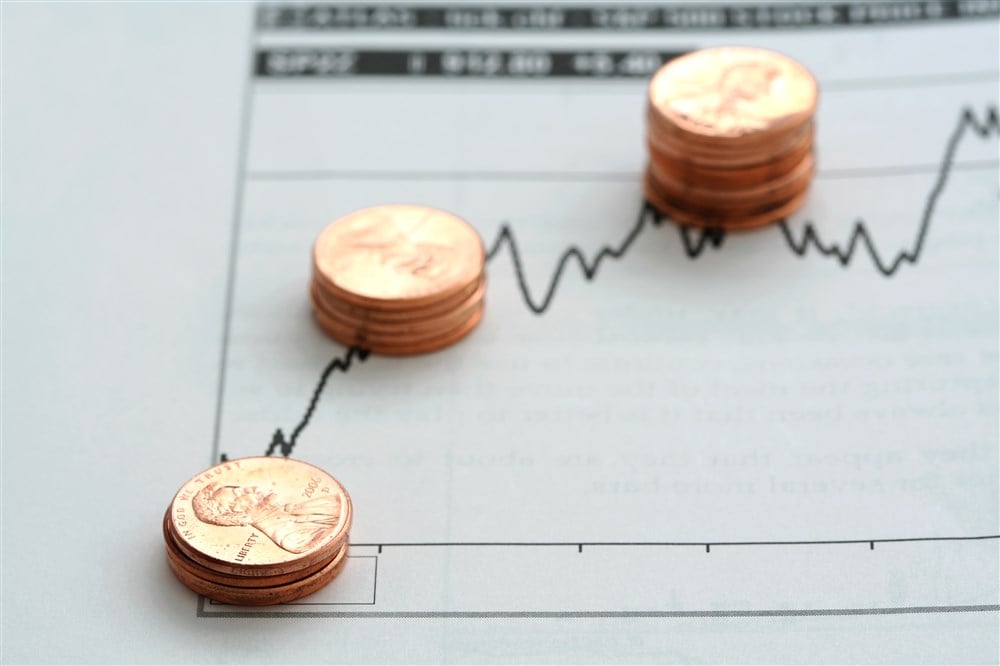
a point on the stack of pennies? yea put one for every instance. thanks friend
(730, 137)
(398, 279)
(258, 531)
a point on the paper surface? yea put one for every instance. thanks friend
(779, 446)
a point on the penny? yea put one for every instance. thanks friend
(195, 569)
(391, 318)
(713, 220)
(398, 279)
(397, 256)
(750, 146)
(436, 309)
(260, 516)
(760, 195)
(730, 135)
(761, 168)
(399, 347)
(716, 94)
(263, 596)
(416, 327)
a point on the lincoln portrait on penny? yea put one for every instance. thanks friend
(295, 526)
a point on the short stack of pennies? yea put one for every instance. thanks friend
(258, 531)
(398, 279)
(730, 138)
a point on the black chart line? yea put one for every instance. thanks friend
(278, 442)
(967, 123)
(860, 236)
(694, 242)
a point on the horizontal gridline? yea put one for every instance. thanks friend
(586, 176)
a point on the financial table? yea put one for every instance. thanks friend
(652, 420)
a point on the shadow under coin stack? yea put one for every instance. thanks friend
(730, 136)
(258, 531)
(398, 279)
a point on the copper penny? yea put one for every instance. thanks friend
(734, 222)
(195, 569)
(398, 347)
(730, 136)
(729, 92)
(260, 516)
(669, 138)
(765, 166)
(400, 329)
(761, 195)
(397, 256)
(391, 317)
(263, 596)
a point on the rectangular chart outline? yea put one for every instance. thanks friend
(242, 175)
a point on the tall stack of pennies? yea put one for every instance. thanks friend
(398, 279)
(730, 137)
(258, 531)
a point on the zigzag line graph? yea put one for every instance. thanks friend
(694, 242)
(967, 122)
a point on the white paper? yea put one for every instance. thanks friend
(713, 451)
